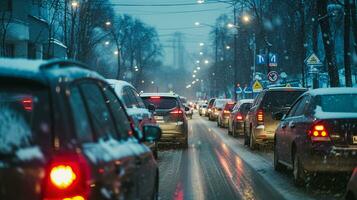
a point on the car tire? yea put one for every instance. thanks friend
(298, 172)
(277, 165)
(252, 144)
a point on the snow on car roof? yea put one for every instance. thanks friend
(159, 94)
(246, 100)
(118, 83)
(326, 91)
(21, 64)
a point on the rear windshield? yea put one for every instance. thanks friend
(245, 107)
(161, 102)
(339, 103)
(204, 106)
(278, 99)
(220, 103)
(24, 118)
(229, 106)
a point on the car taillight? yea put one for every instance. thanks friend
(27, 103)
(239, 116)
(176, 111)
(155, 97)
(226, 111)
(67, 178)
(260, 116)
(62, 176)
(318, 132)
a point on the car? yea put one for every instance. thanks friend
(351, 192)
(216, 108)
(202, 110)
(170, 116)
(237, 117)
(318, 134)
(189, 112)
(223, 115)
(259, 123)
(209, 107)
(70, 136)
(140, 115)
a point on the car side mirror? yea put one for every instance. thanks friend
(152, 133)
(151, 108)
(278, 116)
(187, 109)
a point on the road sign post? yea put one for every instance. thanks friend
(312, 62)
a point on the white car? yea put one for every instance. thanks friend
(134, 106)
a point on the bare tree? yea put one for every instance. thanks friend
(5, 20)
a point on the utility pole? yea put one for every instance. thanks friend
(235, 54)
(269, 45)
(216, 63)
(254, 55)
(65, 23)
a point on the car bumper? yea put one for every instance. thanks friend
(224, 121)
(263, 136)
(239, 127)
(174, 132)
(317, 162)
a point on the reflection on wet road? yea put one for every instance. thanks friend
(208, 169)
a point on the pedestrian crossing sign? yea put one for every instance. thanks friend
(257, 86)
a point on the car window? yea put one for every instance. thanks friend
(25, 119)
(140, 103)
(346, 103)
(120, 118)
(162, 102)
(301, 107)
(129, 98)
(274, 100)
(98, 111)
(80, 117)
(293, 109)
(245, 107)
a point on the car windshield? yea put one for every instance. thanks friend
(346, 103)
(278, 99)
(219, 103)
(161, 102)
(24, 118)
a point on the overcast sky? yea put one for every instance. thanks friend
(169, 19)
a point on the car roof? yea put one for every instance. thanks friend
(43, 70)
(286, 89)
(119, 83)
(246, 101)
(159, 94)
(330, 91)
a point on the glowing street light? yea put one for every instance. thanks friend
(152, 82)
(228, 47)
(194, 71)
(201, 53)
(206, 61)
(246, 18)
(108, 23)
(116, 52)
(74, 4)
(202, 44)
(197, 23)
(194, 76)
(230, 25)
(106, 42)
(200, 1)
(198, 68)
(197, 61)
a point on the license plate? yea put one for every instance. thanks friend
(354, 139)
(159, 117)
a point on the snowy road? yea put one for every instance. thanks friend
(217, 166)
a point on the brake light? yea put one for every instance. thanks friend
(239, 116)
(318, 132)
(226, 111)
(27, 103)
(155, 97)
(67, 178)
(176, 111)
(260, 116)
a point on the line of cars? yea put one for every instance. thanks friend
(312, 132)
(68, 133)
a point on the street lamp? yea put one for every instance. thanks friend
(74, 4)
(202, 44)
(200, 1)
(206, 62)
(228, 47)
(108, 23)
(116, 52)
(246, 18)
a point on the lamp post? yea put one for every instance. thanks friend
(108, 24)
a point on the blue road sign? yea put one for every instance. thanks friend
(248, 90)
(239, 90)
(261, 59)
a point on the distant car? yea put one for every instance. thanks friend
(202, 110)
(209, 107)
(135, 107)
(189, 112)
(216, 108)
(259, 124)
(224, 114)
(65, 135)
(237, 117)
(171, 117)
(351, 192)
(318, 134)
